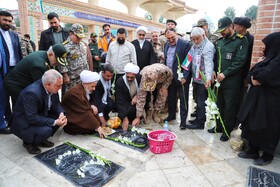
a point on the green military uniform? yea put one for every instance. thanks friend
(30, 69)
(233, 54)
(94, 52)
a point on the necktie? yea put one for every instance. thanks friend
(132, 88)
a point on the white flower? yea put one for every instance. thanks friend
(78, 151)
(83, 175)
(57, 161)
(218, 84)
(60, 157)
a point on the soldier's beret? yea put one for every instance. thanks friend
(243, 21)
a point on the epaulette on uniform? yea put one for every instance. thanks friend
(65, 42)
(239, 36)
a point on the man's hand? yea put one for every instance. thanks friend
(125, 123)
(97, 58)
(61, 120)
(100, 131)
(183, 81)
(221, 77)
(94, 108)
(136, 121)
(134, 100)
(66, 79)
(255, 82)
(207, 84)
(103, 121)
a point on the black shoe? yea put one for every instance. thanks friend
(195, 126)
(169, 118)
(224, 137)
(193, 114)
(183, 126)
(5, 131)
(192, 121)
(218, 130)
(248, 154)
(46, 143)
(263, 160)
(32, 149)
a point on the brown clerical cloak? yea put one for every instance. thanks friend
(80, 116)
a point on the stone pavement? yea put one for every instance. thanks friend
(197, 159)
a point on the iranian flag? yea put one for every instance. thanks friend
(186, 62)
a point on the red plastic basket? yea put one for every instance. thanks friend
(159, 145)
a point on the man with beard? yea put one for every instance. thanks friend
(105, 40)
(103, 95)
(229, 60)
(126, 94)
(94, 52)
(10, 55)
(144, 49)
(53, 35)
(120, 53)
(158, 48)
(83, 118)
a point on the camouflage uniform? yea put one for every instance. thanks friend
(212, 38)
(158, 48)
(26, 47)
(77, 58)
(155, 76)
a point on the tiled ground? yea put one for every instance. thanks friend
(197, 159)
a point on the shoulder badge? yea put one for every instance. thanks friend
(239, 36)
(65, 42)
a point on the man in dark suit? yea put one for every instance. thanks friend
(53, 35)
(38, 113)
(103, 94)
(173, 48)
(144, 49)
(10, 55)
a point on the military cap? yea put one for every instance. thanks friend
(78, 30)
(171, 20)
(60, 53)
(223, 23)
(93, 34)
(202, 22)
(243, 21)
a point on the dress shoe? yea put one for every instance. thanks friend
(169, 118)
(263, 160)
(195, 126)
(46, 143)
(224, 137)
(218, 130)
(249, 154)
(5, 131)
(183, 126)
(32, 149)
(193, 114)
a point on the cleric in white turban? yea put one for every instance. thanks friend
(142, 28)
(87, 76)
(131, 68)
(83, 118)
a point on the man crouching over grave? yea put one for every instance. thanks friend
(82, 116)
(154, 77)
(126, 94)
(38, 114)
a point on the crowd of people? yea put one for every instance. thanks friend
(138, 80)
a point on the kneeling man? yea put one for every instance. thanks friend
(38, 113)
(82, 116)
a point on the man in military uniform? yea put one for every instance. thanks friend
(94, 52)
(158, 48)
(76, 58)
(231, 49)
(32, 68)
(26, 47)
(202, 23)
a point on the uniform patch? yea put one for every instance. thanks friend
(229, 56)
